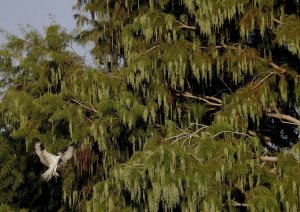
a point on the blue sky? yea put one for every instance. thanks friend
(15, 14)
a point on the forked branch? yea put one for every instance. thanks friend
(182, 25)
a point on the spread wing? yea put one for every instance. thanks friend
(67, 153)
(45, 157)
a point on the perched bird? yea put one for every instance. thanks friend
(53, 162)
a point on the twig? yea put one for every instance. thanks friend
(154, 47)
(195, 157)
(191, 146)
(86, 107)
(226, 85)
(176, 136)
(261, 81)
(226, 131)
(78, 56)
(192, 135)
(189, 95)
(185, 135)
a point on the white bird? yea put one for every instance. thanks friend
(53, 162)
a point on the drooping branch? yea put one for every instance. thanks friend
(213, 101)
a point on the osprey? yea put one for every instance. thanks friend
(53, 162)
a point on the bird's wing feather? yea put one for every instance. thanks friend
(45, 157)
(67, 153)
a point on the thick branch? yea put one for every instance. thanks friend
(284, 117)
(269, 159)
(214, 99)
(273, 65)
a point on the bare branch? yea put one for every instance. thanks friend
(289, 119)
(269, 159)
(185, 135)
(154, 47)
(213, 99)
(277, 21)
(237, 204)
(182, 25)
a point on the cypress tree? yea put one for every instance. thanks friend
(194, 107)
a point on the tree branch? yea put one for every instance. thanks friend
(273, 65)
(269, 159)
(154, 47)
(261, 81)
(289, 119)
(277, 21)
(238, 133)
(182, 25)
(86, 107)
(218, 102)
(237, 204)
(195, 157)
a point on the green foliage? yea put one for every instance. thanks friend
(11, 173)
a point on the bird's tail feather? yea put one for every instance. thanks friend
(47, 175)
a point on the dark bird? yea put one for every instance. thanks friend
(53, 162)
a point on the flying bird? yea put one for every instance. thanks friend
(53, 162)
